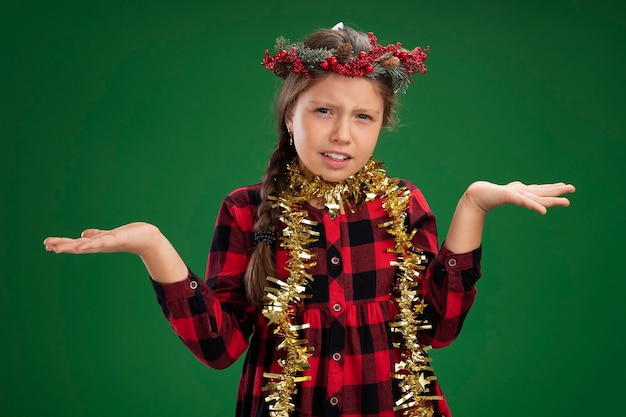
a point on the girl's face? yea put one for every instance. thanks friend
(335, 125)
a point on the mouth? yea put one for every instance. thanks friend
(336, 156)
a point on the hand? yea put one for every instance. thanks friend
(538, 197)
(137, 238)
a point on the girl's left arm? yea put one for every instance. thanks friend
(450, 282)
(466, 227)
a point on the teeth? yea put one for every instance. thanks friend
(336, 156)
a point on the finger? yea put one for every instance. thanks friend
(525, 199)
(58, 244)
(90, 233)
(93, 244)
(51, 242)
(66, 244)
(75, 246)
(104, 242)
(553, 201)
(47, 241)
(550, 193)
(534, 205)
(544, 202)
(551, 190)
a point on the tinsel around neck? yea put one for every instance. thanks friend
(353, 191)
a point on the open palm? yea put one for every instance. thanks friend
(538, 197)
(134, 238)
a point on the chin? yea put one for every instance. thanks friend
(329, 174)
(334, 179)
(336, 176)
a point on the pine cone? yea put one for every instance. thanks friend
(390, 62)
(344, 53)
(281, 69)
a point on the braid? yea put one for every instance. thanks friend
(262, 262)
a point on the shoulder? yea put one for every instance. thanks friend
(418, 201)
(249, 195)
(240, 207)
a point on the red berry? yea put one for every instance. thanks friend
(404, 54)
(362, 54)
(282, 54)
(369, 68)
(332, 61)
(324, 65)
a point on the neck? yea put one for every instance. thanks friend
(354, 190)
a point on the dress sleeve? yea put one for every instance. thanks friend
(213, 318)
(449, 287)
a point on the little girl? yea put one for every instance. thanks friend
(328, 273)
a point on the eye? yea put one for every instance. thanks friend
(323, 110)
(364, 116)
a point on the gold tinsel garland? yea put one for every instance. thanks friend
(285, 297)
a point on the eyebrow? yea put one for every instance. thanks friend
(330, 103)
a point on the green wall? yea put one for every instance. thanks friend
(151, 110)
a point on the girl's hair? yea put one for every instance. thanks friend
(262, 260)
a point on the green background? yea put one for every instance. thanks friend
(120, 111)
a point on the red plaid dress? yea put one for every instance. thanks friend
(349, 311)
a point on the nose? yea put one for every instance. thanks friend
(341, 133)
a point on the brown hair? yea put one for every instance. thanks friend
(262, 260)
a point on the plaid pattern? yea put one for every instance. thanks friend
(348, 313)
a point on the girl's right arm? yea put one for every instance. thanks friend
(157, 253)
(213, 318)
(216, 333)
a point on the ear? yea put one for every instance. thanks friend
(289, 120)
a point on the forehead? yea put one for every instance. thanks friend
(340, 89)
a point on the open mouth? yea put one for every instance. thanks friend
(336, 156)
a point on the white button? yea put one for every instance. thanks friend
(334, 400)
(334, 260)
(193, 285)
(337, 356)
(337, 307)
(452, 262)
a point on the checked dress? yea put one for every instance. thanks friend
(349, 308)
